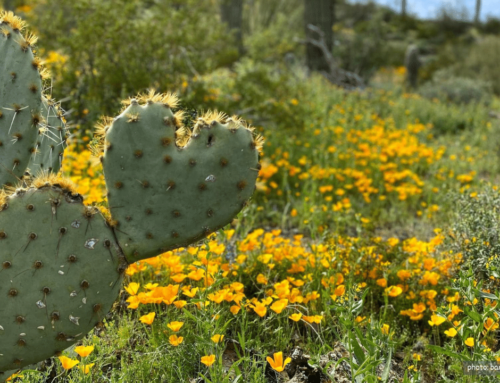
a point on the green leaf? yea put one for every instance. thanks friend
(473, 315)
(188, 314)
(387, 369)
(482, 294)
(358, 351)
(441, 350)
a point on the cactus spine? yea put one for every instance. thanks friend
(51, 142)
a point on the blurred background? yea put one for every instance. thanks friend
(243, 55)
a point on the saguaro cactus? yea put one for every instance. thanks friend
(412, 64)
(61, 262)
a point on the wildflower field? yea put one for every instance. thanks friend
(369, 252)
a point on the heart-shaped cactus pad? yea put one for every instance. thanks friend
(59, 271)
(169, 186)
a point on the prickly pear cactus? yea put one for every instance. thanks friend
(20, 98)
(61, 262)
(167, 187)
(51, 142)
(59, 271)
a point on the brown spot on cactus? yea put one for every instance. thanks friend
(149, 236)
(167, 159)
(175, 234)
(96, 308)
(202, 186)
(176, 213)
(223, 162)
(55, 316)
(36, 63)
(35, 119)
(166, 141)
(38, 265)
(32, 236)
(210, 213)
(149, 211)
(72, 258)
(20, 319)
(118, 185)
(46, 290)
(61, 337)
(241, 185)
(6, 265)
(84, 284)
(21, 342)
(3, 235)
(192, 162)
(138, 154)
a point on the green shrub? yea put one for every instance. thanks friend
(112, 49)
(476, 232)
(482, 62)
(270, 95)
(458, 90)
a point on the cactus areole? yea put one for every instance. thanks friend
(62, 262)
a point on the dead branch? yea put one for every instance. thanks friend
(336, 75)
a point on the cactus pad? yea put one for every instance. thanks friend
(59, 272)
(20, 98)
(168, 188)
(51, 141)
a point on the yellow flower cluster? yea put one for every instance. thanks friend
(86, 173)
(287, 269)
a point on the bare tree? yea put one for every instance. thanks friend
(320, 14)
(333, 72)
(478, 11)
(231, 12)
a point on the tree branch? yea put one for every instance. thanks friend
(335, 75)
